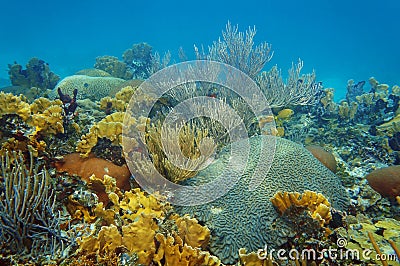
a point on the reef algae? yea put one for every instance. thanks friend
(247, 219)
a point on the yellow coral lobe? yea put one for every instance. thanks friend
(191, 232)
(11, 104)
(317, 205)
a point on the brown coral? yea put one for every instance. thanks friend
(386, 181)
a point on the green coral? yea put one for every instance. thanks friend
(93, 88)
(247, 219)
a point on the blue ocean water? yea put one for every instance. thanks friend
(340, 39)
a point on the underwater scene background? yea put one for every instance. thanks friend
(199, 133)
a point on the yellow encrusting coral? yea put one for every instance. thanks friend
(316, 204)
(172, 251)
(191, 232)
(11, 104)
(109, 127)
(132, 222)
(119, 102)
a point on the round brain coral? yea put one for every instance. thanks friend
(247, 219)
(93, 88)
(386, 181)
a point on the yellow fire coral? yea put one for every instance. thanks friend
(43, 114)
(109, 127)
(119, 102)
(191, 232)
(11, 104)
(317, 205)
(132, 221)
(173, 252)
(133, 215)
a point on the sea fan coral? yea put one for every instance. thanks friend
(29, 223)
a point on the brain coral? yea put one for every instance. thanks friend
(247, 219)
(93, 88)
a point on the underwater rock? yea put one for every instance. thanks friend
(247, 219)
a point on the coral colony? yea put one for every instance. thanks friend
(68, 184)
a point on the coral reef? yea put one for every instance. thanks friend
(139, 58)
(386, 181)
(113, 66)
(93, 88)
(362, 234)
(255, 220)
(37, 74)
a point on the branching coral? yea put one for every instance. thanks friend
(299, 89)
(236, 49)
(29, 222)
(178, 153)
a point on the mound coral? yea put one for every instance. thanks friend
(247, 219)
(386, 181)
(113, 66)
(326, 158)
(93, 88)
(93, 72)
